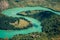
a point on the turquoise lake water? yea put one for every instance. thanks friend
(12, 12)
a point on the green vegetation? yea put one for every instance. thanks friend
(52, 25)
(50, 22)
(5, 23)
(32, 36)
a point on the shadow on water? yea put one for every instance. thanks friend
(35, 25)
(43, 15)
(20, 14)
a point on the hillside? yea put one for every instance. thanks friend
(55, 4)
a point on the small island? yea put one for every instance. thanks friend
(21, 23)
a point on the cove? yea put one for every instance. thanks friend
(12, 12)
